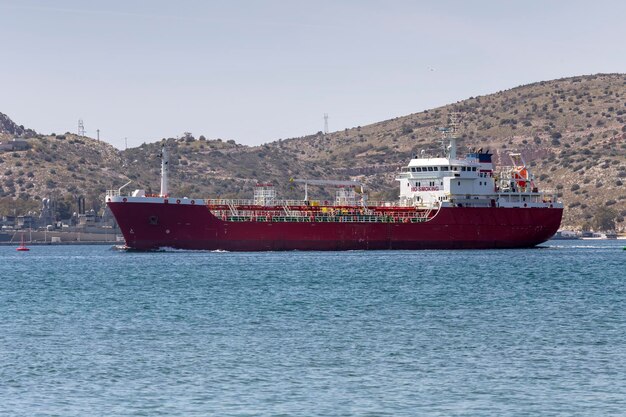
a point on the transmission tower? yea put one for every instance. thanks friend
(326, 123)
(81, 128)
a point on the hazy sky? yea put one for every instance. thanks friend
(257, 71)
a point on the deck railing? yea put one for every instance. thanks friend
(297, 203)
(325, 219)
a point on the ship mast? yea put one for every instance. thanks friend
(450, 134)
(164, 170)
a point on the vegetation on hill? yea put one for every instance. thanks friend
(571, 131)
(61, 167)
(9, 128)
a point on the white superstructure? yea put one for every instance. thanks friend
(469, 182)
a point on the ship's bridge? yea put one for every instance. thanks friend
(432, 181)
(439, 168)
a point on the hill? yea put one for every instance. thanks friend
(8, 128)
(60, 167)
(571, 131)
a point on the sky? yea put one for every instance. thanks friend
(259, 71)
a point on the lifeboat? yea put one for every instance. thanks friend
(521, 176)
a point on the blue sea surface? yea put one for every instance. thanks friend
(86, 330)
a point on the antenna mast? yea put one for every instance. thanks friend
(449, 133)
(164, 171)
(81, 128)
(325, 123)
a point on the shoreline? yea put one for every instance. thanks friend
(101, 242)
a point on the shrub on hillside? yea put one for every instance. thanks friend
(604, 219)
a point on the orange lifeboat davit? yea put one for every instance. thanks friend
(521, 176)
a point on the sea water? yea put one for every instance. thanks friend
(86, 330)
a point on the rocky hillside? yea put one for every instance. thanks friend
(60, 167)
(572, 132)
(9, 129)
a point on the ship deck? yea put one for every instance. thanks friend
(302, 211)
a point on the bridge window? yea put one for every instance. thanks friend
(444, 168)
(462, 168)
(473, 168)
(430, 168)
(435, 168)
(412, 169)
(418, 169)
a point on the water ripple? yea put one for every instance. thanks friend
(90, 331)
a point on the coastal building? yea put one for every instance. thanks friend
(87, 219)
(7, 222)
(26, 222)
(14, 145)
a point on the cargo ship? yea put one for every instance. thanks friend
(445, 202)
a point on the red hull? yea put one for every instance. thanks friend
(194, 227)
